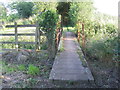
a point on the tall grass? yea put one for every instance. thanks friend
(103, 45)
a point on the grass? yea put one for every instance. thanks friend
(9, 68)
(101, 47)
(21, 67)
(33, 70)
(68, 29)
(82, 58)
(61, 45)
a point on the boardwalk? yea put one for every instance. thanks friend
(67, 65)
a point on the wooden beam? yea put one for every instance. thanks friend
(26, 34)
(9, 26)
(21, 34)
(7, 42)
(7, 34)
(18, 42)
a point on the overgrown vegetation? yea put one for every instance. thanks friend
(47, 22)
(101, 36)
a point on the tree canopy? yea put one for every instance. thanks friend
(24, 9)
(3, 12)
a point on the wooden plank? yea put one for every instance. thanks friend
(21, 34)
(7, 42)
(26, 34)
(8, 26)
(23, 49)
(7, 34)
(26, 43)
(18, 49)
(18, 42)
(8, 49)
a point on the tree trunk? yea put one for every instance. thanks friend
(51, 45)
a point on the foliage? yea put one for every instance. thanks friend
(47, 22)
(80, 11)
(63, 10)
(7, 67)
(101, 48)
(21, 68)
(12, 17)
(33, 70)
(24, 9)
(102, 41)
(110, 29)
(100, 30)
(3, 12)
(40, 7)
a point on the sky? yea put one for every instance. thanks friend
(105, 6)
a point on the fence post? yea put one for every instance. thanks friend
(78, 35)
(16, 37)
(39, 34)
(36, 36)
(83, 36)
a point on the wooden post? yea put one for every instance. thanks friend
(36, 36)
(16, 37)
(39, 38)
(78, 31)
(83, 36)
(78, 35)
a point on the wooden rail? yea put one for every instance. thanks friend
(16, 34)
(9, 26)
(21, 34)
(37, 34)
(58, 36)
(81, 34)
(17, 42)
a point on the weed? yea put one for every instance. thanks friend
(33, 70)
(9, 69)
(21, 68)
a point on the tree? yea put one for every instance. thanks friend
(42, 6)
(3, 12)
(47, 21)
(24, 9)
(80, 11)
(12, 17)
(63, 10)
